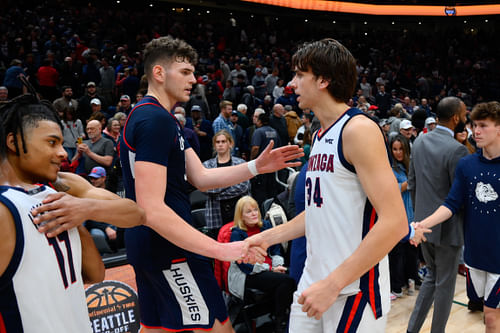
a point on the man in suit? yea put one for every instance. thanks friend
(432, 168)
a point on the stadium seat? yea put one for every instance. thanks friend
(197, 199)
(198, 216)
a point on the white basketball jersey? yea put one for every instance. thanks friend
(338, 216)
(42, 288)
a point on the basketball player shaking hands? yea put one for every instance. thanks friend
(177, 288)
(41, 278)
(354, 212)
(475, 187)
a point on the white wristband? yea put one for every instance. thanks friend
(252, 168)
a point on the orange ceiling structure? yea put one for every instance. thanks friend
(370, 9)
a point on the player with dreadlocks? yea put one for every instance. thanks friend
(41, 277)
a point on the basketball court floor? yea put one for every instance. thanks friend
(461, 320)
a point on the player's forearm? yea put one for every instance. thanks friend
(440, 215)
(385, 234)
(180, 233)
(221, 177)
(295, 228)
(92, 265)
(123, 213)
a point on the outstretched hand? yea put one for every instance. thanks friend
(59, 212)
(256, 249)
(420, 232)
(271, 160)
(241, 252)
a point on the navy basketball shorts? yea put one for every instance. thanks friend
(483, 285)
(184, 297)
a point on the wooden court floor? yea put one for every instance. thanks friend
(461, 320)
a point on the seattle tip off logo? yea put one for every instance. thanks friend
(113, 308)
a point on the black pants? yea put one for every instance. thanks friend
(396, 268)
(281, 286)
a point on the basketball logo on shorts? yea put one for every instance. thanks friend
(113, 307)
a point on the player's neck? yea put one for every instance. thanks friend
(166, 101)
(9, 176)
(328, 111)
(492, 150)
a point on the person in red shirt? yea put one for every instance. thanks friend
(47, 79)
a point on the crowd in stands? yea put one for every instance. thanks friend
(88, 62)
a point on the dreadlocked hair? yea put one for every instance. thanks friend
(22, 113)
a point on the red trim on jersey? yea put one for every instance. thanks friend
(178, 260)
(2, 325)
(179, 330)
(354, 309)
(371, 277)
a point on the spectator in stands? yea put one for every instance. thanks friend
(249, 99)
(278, 89)
(222, 122)
(47, 80)
(104, 234)
(271, 81)
(288, 98)
(189, 134)
(73, 132)
(306, 125)
(259, 84)
(430, 124)
(182, 111)
(70, 75)
(293, 122)
(4, 94)
(97, 151)
(112, 131)
(278, 122)
(263, 186)
(203, 129)
(383, 101)
(230, 93)
(237, 133)
(365, 87)
(107, 84)
(238, 71)
(13, 84)
(403, 258)
(66, 101)
(222, 201)
(242, 116)
(406, 129)
(122, 118)
(270, 276)
(124, 105)
(84, 109)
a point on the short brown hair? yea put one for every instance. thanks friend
(490, 110)
(165, 50)
(224, 103)
(332, 61)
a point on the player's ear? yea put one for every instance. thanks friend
(9, 141)
(158, 73)
(323, 83)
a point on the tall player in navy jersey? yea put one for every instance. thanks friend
(354, 214)
(177, 288)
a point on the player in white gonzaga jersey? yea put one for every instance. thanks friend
(354, 213)
(41, 278)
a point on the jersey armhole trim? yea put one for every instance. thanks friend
(352, 113)
(13, 265)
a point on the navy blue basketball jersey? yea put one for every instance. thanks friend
(153, 134)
